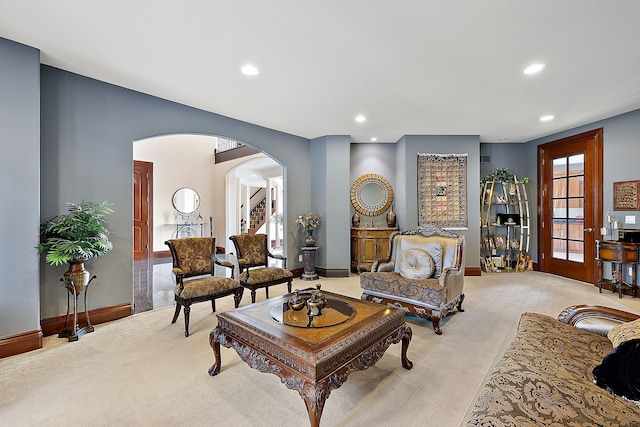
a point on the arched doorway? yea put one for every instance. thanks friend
(182, 161)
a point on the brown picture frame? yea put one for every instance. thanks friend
(625, 195)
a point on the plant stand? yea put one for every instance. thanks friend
(75, 333)
(309, 256)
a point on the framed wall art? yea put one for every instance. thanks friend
(625, 196)
(442, 190)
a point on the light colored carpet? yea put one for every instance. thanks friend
(142, 371)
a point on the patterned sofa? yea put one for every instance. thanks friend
(546, 376)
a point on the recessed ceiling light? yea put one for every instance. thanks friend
(374, 139)
(532, 69)
(249, 70)
(360, 118)
(546, 118)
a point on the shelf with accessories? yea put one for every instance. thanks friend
(504, 224)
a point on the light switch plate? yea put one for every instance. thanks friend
(629, 219)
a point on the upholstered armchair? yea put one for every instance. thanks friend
(424, 274)
(193, 265)
(253, 261)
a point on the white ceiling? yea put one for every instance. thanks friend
(411, 67)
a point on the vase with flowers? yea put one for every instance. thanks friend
(309, 222)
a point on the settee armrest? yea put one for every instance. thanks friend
(595, 318)
(383, 265)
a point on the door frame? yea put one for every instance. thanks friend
(595, 164)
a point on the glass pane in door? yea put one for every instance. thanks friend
(568, 208)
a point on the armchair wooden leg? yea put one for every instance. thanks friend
(435, 321)
(460, 303)
(213, 305)
(289, 286)
(253, 296)
(237, 296)
(187, 311)
(177, 313)
(266, 291)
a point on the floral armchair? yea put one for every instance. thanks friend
(253, 262)
(424, 274)
(193, 266)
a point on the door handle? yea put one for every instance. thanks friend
(588, 230)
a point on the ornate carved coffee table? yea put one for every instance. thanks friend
(350, 335)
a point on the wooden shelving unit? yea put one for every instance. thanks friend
(504, 222)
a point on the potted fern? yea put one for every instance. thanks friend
(80, 235)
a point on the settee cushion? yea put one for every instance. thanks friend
(619, 372)
(207, 285)
(415, 264)
(431, 245)
(624, 332)
(545, 378)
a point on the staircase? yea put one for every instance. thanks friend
(257, 216)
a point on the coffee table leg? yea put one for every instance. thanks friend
(214, 341)
(406, 339)
(314, 397)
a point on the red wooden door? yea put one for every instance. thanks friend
(142, 209)
(570, 208)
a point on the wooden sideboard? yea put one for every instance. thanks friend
(368, 245)
(618, 254)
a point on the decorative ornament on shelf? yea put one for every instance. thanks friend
(355, 220)
(502, 174)
(309, 222)
(391, 218)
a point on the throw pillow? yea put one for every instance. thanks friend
(619, 371)
(416, 264)
(624, 332)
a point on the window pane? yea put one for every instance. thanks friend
(576, 229)
(559, 249)
(560, 167)
(576, 213)
(576, 186)
(576, 165)
(559, 229)
(559, 187)
(560, 208)
(576, 251)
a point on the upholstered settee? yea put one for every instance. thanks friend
(424, 274)
(547, 376)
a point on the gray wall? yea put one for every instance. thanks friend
(330, 199)
(88, 128)
(377, 158)
(407, 178)
(19, 187)
(399, 164)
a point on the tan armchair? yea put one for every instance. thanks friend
(253, 262)
(193, 266)
(424, 274)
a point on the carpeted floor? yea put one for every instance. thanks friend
(142, 371)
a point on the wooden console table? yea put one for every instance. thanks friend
(369, 245)
(618, 254)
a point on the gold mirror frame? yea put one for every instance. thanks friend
(382, 205)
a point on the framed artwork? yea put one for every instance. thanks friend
(625, 196)
(442, 190)
(488, 243)
(500, 241)
(514, 244)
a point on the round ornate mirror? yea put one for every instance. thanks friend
(186, 201)
(371, 194)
